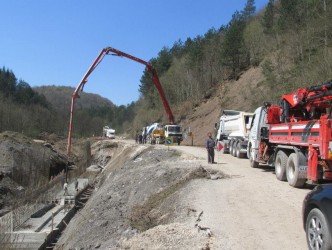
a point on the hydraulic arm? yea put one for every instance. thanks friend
(100, 57)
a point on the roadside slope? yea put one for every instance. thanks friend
(137, 202)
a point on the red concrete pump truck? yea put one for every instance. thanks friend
(100, 57)
(296, 136)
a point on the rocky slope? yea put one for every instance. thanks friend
(136, 202)
(28, 164)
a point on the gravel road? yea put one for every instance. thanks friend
(249, 210)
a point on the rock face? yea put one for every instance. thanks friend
(22, 157)
(24, 164)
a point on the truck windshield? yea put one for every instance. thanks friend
(175, 129)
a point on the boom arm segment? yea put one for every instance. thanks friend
(155, 79)
(100, 57)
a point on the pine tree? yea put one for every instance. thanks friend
(249, 10)
(268, 17)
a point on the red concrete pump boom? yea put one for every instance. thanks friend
(100, 57)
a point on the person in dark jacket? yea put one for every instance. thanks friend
(210, 148)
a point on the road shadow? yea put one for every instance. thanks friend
(269, 169)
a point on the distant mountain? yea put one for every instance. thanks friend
(60, 98)
(91, 112)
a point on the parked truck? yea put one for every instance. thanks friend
(295, 137)
(174, 132)
(232, 132)
(108, 132)
(155, 133)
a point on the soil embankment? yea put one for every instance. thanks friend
(149, 197)
(136, 204)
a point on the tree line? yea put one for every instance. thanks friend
(32, 111)
(289, 40)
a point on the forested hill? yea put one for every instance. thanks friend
(289, 40)
(60, 98)
(91, 113)
(32, 111)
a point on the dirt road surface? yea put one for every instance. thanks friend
(249, 210)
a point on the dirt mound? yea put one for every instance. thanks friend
(137, 195)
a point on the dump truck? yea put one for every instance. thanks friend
(232, 132)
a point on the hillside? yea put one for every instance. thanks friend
(91, 112)
(244, 94)
(60, 98)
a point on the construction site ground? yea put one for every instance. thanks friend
(158, 197)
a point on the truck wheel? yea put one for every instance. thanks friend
(292, 171)
(238, 151)
(280, 165)
(253, 163)
(231, 147)
(234, 149)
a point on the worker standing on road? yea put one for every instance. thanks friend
(210, 148)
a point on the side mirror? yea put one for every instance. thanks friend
(215, 125)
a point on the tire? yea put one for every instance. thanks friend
(231, 147)
(317, 231)
(238, 151)
(280, 165)
(253, 163)
(234, 149)
(292, 171)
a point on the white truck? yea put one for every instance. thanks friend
(232, 132)
(108, 132)
(174, 132)
(156, 133)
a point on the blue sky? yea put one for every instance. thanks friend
(48, 42)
